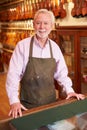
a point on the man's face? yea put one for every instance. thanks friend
(43, 25)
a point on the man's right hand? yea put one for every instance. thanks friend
(16, 110)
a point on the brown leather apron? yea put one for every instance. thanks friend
(37, 84)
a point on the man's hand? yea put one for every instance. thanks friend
(16, 110)
(76, 95)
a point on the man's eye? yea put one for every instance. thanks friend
(38, 23)
(45, 23)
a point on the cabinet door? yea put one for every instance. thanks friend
(83, 60)
(68, 43)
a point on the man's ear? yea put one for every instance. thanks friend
(53, 26)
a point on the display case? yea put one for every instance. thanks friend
(83, 60)
(73, 43)
(66, 43)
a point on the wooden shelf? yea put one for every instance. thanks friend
(5, 4)
(7, 50)
(16, 28)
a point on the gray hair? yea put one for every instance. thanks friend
(45, 11)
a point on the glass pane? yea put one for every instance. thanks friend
(83, 41)
(67, 47)
(67, 44)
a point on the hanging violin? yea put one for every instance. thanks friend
(84, 8)
(61, 10)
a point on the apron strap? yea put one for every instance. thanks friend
(50, 49)
(31, 47)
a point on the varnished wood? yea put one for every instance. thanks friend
(4, 104)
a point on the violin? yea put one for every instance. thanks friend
(79, 9)
(84, 8)
(61, 10)
(73, 11)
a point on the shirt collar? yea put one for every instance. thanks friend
(37, 42)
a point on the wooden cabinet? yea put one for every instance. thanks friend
(73, 43)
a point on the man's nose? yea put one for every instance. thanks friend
(42, 25)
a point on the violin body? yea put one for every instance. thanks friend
(63, 13)
(73, 11)
(79, 9)
(61, 10)
(84, 8)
